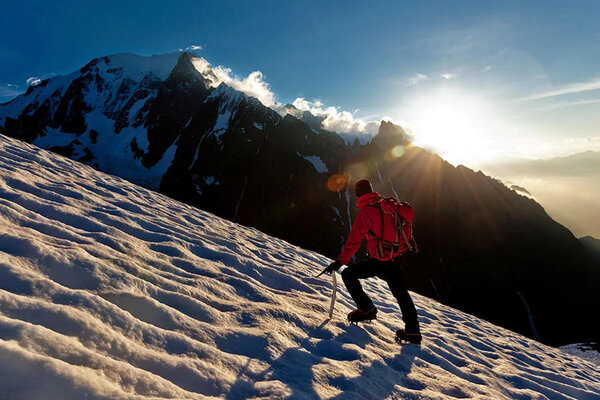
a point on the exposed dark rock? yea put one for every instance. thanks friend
(93, 135)
(592, 245)
(137, 152)
(26, 127)
(178, 98)
(69, 116)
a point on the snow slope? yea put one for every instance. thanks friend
(109, 290)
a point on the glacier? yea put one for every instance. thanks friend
(109, 290)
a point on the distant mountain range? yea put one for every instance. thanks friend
(567, 187)
(159, 122)
(593, 246)
(586, 163)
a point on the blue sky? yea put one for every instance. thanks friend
(505, 78)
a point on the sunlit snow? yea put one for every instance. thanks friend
(109, 290)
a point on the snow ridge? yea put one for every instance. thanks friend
(109, 290)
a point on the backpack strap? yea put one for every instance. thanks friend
(380, 239)
(410, 248)
(414, 246)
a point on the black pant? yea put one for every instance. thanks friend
(391, 272)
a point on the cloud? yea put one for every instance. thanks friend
(193, 47)
(487, 68)
(521, 189)
(573, 103)
(572, 88)
(9, 90)
(448, 76)
(416, 78)
(586, 163)
(36, 80)
(565, 186)
(336, 120)
(540, 76)
(253, 85)
(33, 81)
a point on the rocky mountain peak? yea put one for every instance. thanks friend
(186, 73)
(391, 135)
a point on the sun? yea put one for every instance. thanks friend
(456, 125)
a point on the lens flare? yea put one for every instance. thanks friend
(393, 153)
(337, 182)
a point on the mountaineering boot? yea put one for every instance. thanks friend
(410, 337)
(359, 315)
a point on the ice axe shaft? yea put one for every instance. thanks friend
(333, 295)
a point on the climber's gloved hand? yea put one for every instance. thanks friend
(334, 266)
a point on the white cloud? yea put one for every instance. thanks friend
(572, 88)
(253, 85)
(336, 120)
(205, 69)
(33, 81)
(487, 68)
(416, 78)
(9, 90)
(573, 145)
(36, 80)
(195, 47)
(448, 76)
(540, 76)
(573, 103)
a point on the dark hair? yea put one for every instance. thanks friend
(363, 187)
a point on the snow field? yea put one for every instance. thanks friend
(109, 290)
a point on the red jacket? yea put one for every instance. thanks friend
(368, 223)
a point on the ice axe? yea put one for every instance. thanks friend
(333, 293)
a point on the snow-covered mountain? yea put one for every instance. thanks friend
(99, 115)
(168, 123)
(109, 290)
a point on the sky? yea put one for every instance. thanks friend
(505, 80)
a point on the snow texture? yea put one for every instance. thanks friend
(109, 290)
(316, 162)
(583, 350)
(136, 67)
